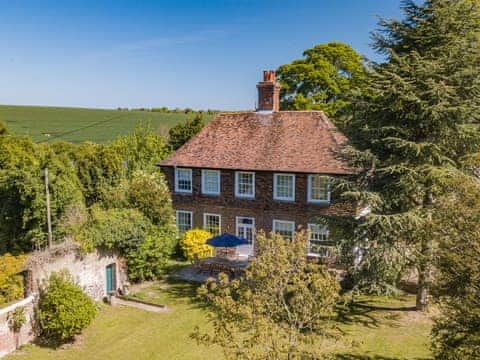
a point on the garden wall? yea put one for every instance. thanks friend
(9, 340)
(87, 270)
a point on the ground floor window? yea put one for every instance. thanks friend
(184, 220)
(318, 240)
(284, 228)
(212, 223)
(245, 228)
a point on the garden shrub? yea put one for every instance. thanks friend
(64, 310)
(194, 244)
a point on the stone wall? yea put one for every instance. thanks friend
(88, 271)
(9, 340)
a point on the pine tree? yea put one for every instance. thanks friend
(417, 124)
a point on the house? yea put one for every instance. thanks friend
(266, 170)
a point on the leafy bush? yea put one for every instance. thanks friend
(146, 247)
(11, 281)
(64, 310)
(16, 319)
(194, 244)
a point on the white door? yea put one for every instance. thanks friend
(246, 230)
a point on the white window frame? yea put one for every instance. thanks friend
(237, 218)
(219, 222)
(244, 196)
(275, 222)
(177, 189)
(204, 191)
(309, 191)
(184, 212)
(275, 187)
(324, 231)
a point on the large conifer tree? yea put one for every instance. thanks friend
(418, 123)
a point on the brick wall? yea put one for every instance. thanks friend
(9, 340)
(263, 208)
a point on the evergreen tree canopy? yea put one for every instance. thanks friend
(417, 122)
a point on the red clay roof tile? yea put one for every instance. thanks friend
(286, 141)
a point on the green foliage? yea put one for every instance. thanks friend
(415, 122)
(181, 133)
(279, 309)
(194, 244)
(16, 319)
(64, 310)
(11, 279)
(325, 79)
(146, 247)
(456, 333)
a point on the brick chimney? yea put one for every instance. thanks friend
(268, 92)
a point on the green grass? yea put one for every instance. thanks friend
(77, 124)
(375, 329)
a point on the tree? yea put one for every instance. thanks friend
(325, 79)
(64, 310)
(11, 279)
(279, 308)
(181, 133)
(415, 124)
(456, 332)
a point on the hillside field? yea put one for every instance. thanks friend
(79, 124)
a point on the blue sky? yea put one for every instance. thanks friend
(201, 54)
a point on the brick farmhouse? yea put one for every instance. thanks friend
(267, 170)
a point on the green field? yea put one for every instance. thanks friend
(376, 328)
(77, 124)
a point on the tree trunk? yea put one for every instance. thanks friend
(424, 275)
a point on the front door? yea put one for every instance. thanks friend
(246, 230)
(110, 278)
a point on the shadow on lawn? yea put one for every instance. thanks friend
(184, 291)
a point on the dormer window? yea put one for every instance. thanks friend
(284, 187)
(245, 184)
(318, 189)
(183, 180)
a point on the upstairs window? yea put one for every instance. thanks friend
(285, 229)
(212, 223)
(183, 180)
(211, 182)
(284, 187)
(318, 189)
(184, 221)
(245, 184)
(318, 240)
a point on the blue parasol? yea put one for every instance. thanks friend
(226, 240)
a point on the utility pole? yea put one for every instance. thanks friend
(49, 220)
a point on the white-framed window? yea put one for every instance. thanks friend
(284, 187)
(212, 223)
(284, 228)
(184, 220)
(246, 228)
(211, 182)
(318, 189)
(318, 240)
(183, 180)
(245, 184)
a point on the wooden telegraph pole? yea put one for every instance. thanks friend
(49, 220)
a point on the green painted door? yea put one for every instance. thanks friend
(110, 278)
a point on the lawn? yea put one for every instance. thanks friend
(78, 124)
(377, 328)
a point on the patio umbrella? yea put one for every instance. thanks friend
(226, 240)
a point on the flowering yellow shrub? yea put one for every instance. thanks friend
(194, 244)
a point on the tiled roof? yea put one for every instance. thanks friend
(287, 141)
